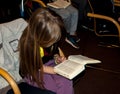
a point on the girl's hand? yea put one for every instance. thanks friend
(59, 59)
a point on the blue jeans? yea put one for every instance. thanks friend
(70, 18)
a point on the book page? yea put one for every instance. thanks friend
(59, 4)
(83, 59)
(69, 69)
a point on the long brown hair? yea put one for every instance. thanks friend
(43, 30)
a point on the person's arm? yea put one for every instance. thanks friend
(48, 69)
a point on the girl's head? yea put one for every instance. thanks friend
(43, 30)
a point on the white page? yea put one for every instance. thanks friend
(59, 4)
(69, 69)
(83, 59)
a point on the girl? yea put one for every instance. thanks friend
(39, 52)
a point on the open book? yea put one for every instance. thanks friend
(59, 3)
(74, 65)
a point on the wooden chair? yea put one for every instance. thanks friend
(10, 80)
(117, 3)
(25, 88)
(104, 17)
(28, 8)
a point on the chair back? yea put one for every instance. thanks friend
(10, 80)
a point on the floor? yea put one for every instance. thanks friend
(101, 78)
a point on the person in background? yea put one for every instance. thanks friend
(70, 19)
(82, 6)
(39, 52)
